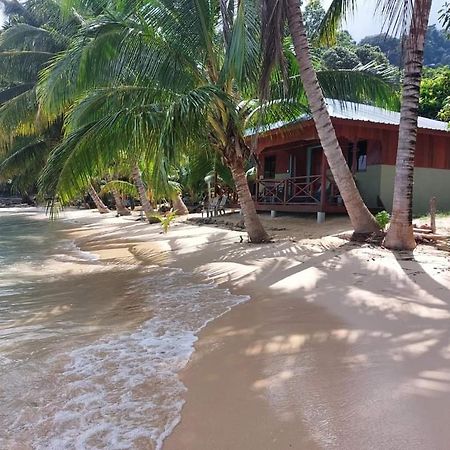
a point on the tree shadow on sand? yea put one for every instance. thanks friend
(342, 336)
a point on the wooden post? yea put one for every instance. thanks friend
(354, 157)
(433, 214)
(215, 182)
(323, 183)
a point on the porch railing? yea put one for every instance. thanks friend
(304, 190)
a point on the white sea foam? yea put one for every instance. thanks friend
(4, 361)
(90, 353)
(122, 392)
(69, 251)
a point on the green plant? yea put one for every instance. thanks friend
(166, 219)
(382, 218)
(165, 78)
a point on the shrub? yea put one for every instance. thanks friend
(383, 218)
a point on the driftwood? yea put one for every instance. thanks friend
(432, 236)
(422, 230)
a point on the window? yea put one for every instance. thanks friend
(269, 166)
(361, 161)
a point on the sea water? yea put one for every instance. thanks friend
(90, 353)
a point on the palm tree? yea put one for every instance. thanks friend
(37, 33)
(400, 234)
(204, 97)
(34, 33)
(101, 207)
(158, 87)
(138, 181)
(275, 13)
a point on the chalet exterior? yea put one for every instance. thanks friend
(293, 174)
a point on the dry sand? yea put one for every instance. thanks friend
(341, 346)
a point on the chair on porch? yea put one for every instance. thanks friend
(221, 205)
(211, 208)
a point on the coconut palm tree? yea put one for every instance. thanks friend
(158, 87)
(101, 207)
(33, 34)
(138, 181)
(205, 97)
(412, 17)
(275, 14)
(400, 234)
(37, 32)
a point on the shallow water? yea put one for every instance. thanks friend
(89, 352)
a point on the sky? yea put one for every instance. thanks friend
(364, 22)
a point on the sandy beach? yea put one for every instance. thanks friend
(342, 345)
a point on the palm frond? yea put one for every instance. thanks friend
(242, 57)
(18, 116)
(50, 179)
(359, 86)
(27, 158)
(122, 187)
(10, 92)
(27, 37)
(273, 20)
(92, 148)
(87, 63)
(102, 101)
(22, 66)
(336, 13)
(444, 16)
(396, 15)
(14, 8)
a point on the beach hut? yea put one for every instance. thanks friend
(293, 175)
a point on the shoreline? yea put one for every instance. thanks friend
(341, 345)
(188, 256)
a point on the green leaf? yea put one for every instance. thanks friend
(18, 116)
(19, 66)
(122, 187)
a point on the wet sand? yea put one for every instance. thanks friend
(342, 346)
(91, 348)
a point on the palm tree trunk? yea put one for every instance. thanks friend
(179, 206)
(120, 207)
(102, 208)
(146, 205)
(400, 234)
(361, 218)
(253, 225)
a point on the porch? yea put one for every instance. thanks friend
(297, 180)
(315, 193)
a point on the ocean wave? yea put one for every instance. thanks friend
(91, 352)
(122, 392)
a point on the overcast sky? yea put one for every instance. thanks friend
(365, 22)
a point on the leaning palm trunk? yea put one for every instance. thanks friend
(253, 225)
(120, 207)
(146, 205)
(179, 206)
(400, 234)
(102, 208)
(361, 218)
